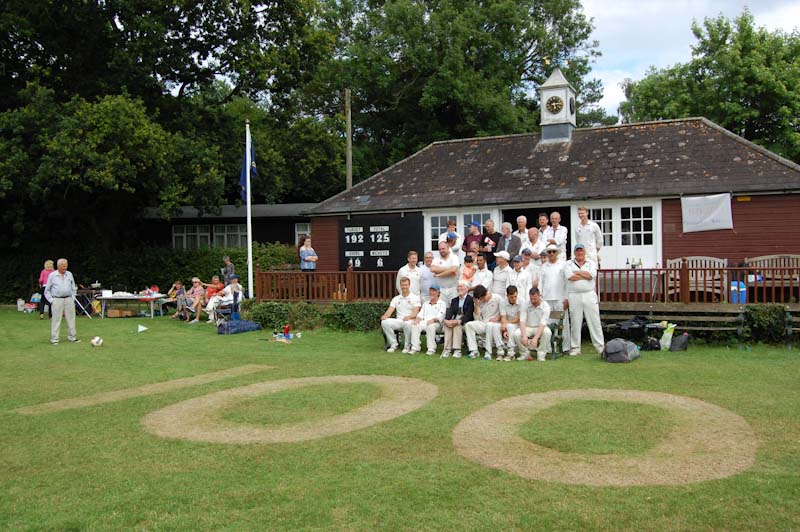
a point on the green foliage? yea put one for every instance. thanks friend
(305, 316)
(270, 314)
(274, 315)
(741, 77)
(354, 316)
(136, 268)
(765, 323)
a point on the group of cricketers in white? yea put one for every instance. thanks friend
(455, 292)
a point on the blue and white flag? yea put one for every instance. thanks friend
(243, 174)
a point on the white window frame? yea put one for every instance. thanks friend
(300, 229)
(456, 214)
(199, 231)
(233, 235)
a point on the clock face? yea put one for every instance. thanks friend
(572, 106)
(554, 104)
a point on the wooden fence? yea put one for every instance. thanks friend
(657, 285)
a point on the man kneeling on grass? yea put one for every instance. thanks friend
(407, 306)
(533, 332)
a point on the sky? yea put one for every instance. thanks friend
(636, 34)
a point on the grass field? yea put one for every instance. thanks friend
(97, 467)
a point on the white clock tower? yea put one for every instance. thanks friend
(558, 108)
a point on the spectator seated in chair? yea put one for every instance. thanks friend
(223, 298)
(175, 291)
(191, 301)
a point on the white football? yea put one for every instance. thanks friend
(97, 341)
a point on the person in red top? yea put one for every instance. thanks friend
(211, 290)
(43, 276)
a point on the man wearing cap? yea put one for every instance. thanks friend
(509, 242)
(489, 245)
(483, 275)
(486, 322)
(520, 277)
(430, 320)
(473, 236)
(223, 297)
(553, 287)
(451, 229)
(534, 332)
(583, 302)
(411, 272)
(407, 306)
(445, 271)
(589, 234)
(522, 232)
(557, 234)
(502, 273)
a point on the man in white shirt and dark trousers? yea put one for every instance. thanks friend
(590, 235)
(553, 287)
(583, 302)
(430, 320)
(407, 306)
(60, 292)
(534, 331)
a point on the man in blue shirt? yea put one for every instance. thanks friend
(60, 291)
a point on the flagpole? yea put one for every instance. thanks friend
(248, 164)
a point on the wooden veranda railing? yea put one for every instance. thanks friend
(643, 285)
(700, 285)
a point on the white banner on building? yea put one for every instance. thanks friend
(706, 213)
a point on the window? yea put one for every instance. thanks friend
(636, 226)
(439, 226)
(478, 217)
(301, 229)
(191, 236)
(603, 218)
(230, 235)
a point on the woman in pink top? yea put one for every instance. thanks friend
(48, 269)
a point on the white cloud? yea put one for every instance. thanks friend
(635, 34)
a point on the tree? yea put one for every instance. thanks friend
(427, 71)
(82, 171)
(742, 77)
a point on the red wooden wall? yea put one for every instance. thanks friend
(325, 240)
(765, 225)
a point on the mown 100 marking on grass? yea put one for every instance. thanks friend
(141, 391)
(200, 419)
(708, 442)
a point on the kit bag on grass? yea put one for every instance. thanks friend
(236, 327)
(620, 350)
(679, 343)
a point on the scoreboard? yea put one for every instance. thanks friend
(379, 242)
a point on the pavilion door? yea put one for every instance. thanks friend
(631, 231)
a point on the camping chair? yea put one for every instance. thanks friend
(228, 311)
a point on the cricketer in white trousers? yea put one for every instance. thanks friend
(489, 329)
(585, 305)
(65, 306)
(530, 331)
(431, 331)
(390, 325)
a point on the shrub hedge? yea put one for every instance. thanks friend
(135, 268)
(340, 316)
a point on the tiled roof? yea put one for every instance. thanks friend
(665, 158)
